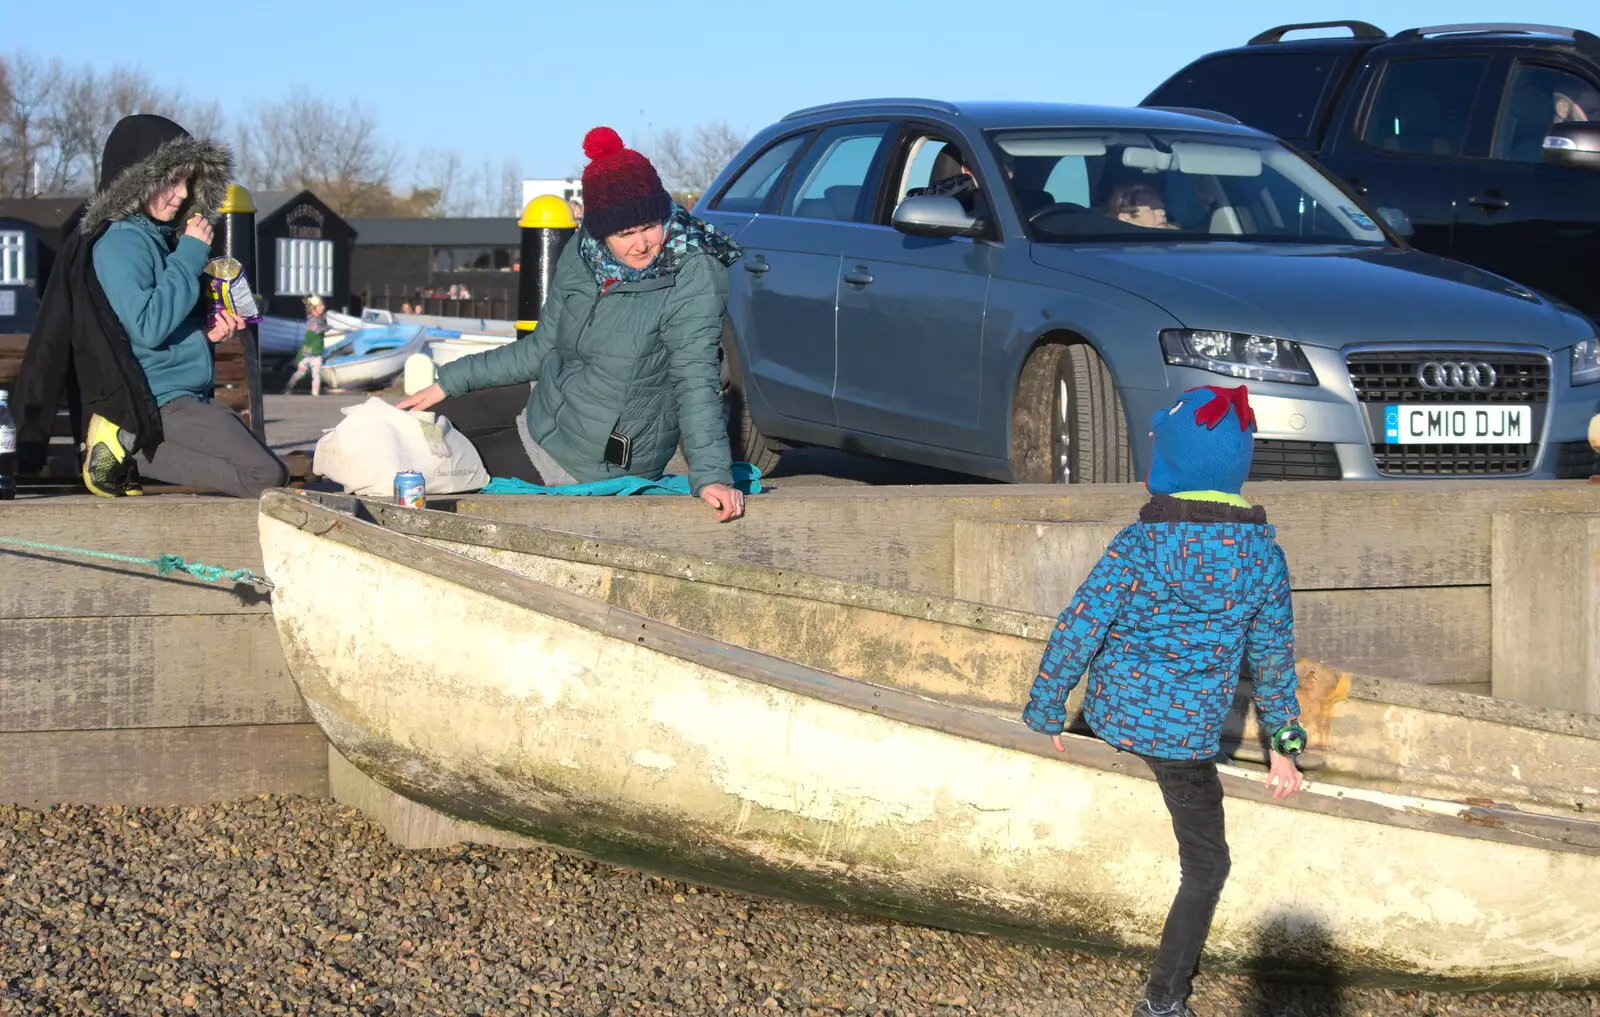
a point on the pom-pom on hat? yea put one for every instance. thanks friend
(621, 189)
(1204, 442)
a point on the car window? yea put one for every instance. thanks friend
(932, 164)
(1423, 107)
(1136, 185)
(1273, 92)
(830, 181)
(748, 191)
(1536, 98)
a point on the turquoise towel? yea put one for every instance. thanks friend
(746, 478)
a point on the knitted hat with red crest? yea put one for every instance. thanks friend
(1204, 442)
(621, 189)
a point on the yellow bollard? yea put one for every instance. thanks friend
(547, 225)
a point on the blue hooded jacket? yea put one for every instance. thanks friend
(1178, 602)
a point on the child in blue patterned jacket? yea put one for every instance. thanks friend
(1178, 601)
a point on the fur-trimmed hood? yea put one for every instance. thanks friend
(143, 155)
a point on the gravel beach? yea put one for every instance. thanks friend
(296, 906)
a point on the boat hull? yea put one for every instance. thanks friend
(545, 713)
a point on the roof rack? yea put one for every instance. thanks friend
(854, 104)
(1358, 30)
(1193, 111)
(1575, 34)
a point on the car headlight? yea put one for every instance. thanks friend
(1586, 361)
(1238, 355)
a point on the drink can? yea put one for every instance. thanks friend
(409, 489)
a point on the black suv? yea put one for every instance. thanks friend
(1479, 142)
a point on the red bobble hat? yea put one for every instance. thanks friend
(621, 189)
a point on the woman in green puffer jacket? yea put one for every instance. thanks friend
(625, 355)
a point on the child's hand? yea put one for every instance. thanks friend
(1056, 741)
(1285, 777)
(226, 323)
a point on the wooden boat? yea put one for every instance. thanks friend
(856, 747)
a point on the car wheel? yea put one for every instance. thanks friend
(1068, 425)
(744, 440)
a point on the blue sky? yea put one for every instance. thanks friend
(502, 78)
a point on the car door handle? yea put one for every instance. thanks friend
(860, 277)
(757, 266)
(1490, 202)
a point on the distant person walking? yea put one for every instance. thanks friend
(645, 286)
(312, 348)
(121, 323)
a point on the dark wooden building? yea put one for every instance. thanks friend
(302, 247)
(20, 270)
(400, 261)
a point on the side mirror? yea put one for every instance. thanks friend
(928, 215)
(1397, 220)
(1574, 144)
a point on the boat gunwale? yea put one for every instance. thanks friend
(338, 519)
(527, 538)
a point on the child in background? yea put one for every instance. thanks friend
(311, 349)
(1179, 600)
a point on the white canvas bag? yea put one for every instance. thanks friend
(376, 440)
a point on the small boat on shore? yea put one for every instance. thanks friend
(856, 747)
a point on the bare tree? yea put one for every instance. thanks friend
(442, 172)
(690, 162)
(305, 141)
(25, 138)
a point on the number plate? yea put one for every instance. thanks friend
(1434, 424)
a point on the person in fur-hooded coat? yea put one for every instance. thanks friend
(122, 334)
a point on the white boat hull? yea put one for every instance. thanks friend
(500, 700)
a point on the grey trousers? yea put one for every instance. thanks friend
(207, 445)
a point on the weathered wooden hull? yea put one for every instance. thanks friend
(500, 699)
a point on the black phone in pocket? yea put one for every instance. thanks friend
(619, 450)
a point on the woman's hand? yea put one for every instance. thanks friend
(226, 323)
(426, 399)
(728, 502)
(199, 228)
(1284, 778)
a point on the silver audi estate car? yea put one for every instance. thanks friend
(1011, 290)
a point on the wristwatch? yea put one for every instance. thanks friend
(1289, 740)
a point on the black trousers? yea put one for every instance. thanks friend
(488, 419)
(1193, 793)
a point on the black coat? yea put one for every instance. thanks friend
(78, 349)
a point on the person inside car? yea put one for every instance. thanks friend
(1139, 204)
(1567, 109)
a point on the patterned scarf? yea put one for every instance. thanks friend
(685, 233)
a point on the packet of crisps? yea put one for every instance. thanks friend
(230, 289)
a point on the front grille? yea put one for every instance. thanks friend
(1391, 377)
(1575, 460)
(1294, 460)
(1453, 460)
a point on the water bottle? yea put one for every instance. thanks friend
(8, 450)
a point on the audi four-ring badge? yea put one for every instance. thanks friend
(1457, 376)
(1013, 290)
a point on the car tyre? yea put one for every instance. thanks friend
(1068, 425)
(744, 439)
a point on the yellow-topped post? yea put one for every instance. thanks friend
(235, 237)
(547, 225)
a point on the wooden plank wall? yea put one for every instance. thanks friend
(119, 685)
(1390, 579)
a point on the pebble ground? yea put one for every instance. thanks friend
(296, 906)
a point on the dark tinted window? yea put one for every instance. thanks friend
(1423, 107)
(831, 180)
(1273, 92)
(1537, 98)
(750, 188)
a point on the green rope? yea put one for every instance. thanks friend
(164, 565)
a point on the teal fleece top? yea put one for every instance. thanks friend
(155, 293)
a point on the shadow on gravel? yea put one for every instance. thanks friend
(1313, 988)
